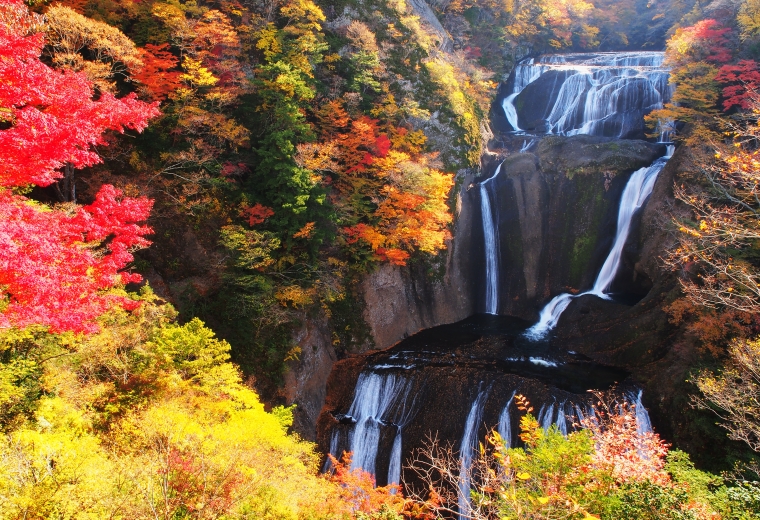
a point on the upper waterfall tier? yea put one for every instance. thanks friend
(604, 94)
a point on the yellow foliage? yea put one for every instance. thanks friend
(196, 75)
(148, 419)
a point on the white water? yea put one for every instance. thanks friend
(636, 192)
(394, 468)
(561, 421)
(643, 424)
(491, 239)
(601, 94)
(467, 450)
(505, 423)
(375, 398)
(525, 74)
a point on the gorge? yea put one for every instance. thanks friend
(549, 225)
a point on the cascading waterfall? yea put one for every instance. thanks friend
(636, 192)
(525, 74)
(467, 450)
(505, 422)
(376, 398)
(402, 418)
(491, 239)
(643, 424)
(600, 94)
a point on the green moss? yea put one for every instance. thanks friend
(350, 331)
(590, 202)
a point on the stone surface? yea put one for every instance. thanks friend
(557, 214)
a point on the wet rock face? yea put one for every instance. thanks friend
(400, 301)
(430, 382)
(556, 211)
(306, 378)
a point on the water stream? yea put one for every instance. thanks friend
(426, 381)
(592, 94)
(636, 192)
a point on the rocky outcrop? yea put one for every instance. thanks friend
(426, 14)
(306, 378)
(556, 210)
(400, 301)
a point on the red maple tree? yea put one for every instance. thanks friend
(56, 264)
(743, 81)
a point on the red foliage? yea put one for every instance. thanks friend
(194, 488)
(382, 145)
(358, 489)
(716, 46)
(157, 76)
(473, 53)
(54, 118)
(55, 265)
(256, 214)
(743, 80)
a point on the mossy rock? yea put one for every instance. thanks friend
(587, 155)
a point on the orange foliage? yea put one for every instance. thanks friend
(256, 214)
(358, 489)
(391, 198)
(305, 231)
(712, 328)
(156, 77)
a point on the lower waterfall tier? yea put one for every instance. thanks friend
(427, 386)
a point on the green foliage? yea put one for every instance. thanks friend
(649, 501)
(190, 440)
(742, 502)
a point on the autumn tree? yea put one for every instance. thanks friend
(110, 54)
(389, 198)
(733, 393)
(58, 258)
(291, 47)
(741, 82)
(694, 54)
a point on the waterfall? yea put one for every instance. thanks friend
(401, 419)
(375, 398)
(394, 468)
(467, 450)
(505, 423)
(334, 438)
(561, 421)
(491, 239)
(525, 74)
(643, 424)
(637, 190)
(601, 94)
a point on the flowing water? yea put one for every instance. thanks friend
(592, 94)
(636, 192)
(420, 385)
(491, 238)
(377, 400)
(467, 450)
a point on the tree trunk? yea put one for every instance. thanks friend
(65, 188)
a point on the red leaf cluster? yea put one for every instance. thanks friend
(56, 264)
(54, 118)
(158, 75)
(743, 80)
(256, 214)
